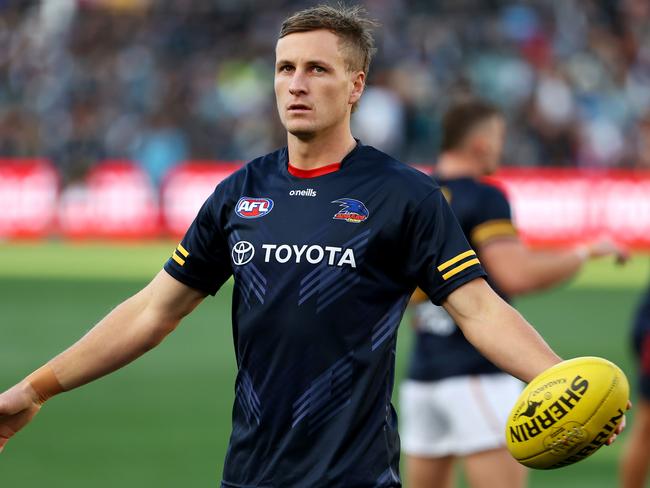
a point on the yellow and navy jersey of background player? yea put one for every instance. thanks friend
(323, 270)
(642, 318)
(641, 343)
(440, 349)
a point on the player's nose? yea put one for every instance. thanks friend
(298, 83)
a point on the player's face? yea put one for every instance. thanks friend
(313, 88)
(493, 135)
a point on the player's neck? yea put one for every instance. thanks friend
(320, 150)
(457, 165)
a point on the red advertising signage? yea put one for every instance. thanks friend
(563, 207)
(551, 207)
(117, 200)
(185, 189)
(28, 198)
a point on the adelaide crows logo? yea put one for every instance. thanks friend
(351, 210)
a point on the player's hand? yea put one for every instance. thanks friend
(18, 405)
(606, 247)
(620, 428)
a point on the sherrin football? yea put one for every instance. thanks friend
(567, 412)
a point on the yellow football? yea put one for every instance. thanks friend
(567, 412)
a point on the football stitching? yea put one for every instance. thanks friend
(609, 392)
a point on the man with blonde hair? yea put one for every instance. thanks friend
(326, 239)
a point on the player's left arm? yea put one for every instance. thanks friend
(499, 331)
(449, 271)
(502, 334)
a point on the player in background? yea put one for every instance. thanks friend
(636, 457)
(455, 402)
(326, 239)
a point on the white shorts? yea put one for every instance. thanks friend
(456, 416)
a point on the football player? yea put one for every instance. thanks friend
(455, 402)
(636, 458)
(326, 239)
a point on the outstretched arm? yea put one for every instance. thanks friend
(499, 331)
(517, 269)
(502, 334)
(135, 326)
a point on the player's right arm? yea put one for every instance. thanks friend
(199, 266)
(135, 326)
(514, 267)
(517, 269)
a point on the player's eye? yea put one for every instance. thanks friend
(318, 69)
(285, 68)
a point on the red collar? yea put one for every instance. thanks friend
(313, 173)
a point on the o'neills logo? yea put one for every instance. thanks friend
(539, 422)
(309, 192)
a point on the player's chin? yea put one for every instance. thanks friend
(301, 131)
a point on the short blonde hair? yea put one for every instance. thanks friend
(348, 23)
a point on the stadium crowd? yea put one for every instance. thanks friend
(161, 82)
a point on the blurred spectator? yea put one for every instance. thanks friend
(163, 81)
(379, 119)
(159, 147)
(640, 155)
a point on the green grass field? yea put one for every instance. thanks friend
(164, 421)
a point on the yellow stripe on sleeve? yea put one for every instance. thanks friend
(183, 251)
(178, 259)
(460, 268)
(453, 261)
(492, 229)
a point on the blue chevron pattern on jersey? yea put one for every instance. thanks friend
(318, 280)
(388, 324)
(248, 399)
(388, 478)
(249, 278)
(326, 396)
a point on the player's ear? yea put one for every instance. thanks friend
(357, 84)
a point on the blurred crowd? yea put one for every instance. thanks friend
(159, 82)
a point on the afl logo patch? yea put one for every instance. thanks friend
(242, 253)
(352, 210)
(252, 208)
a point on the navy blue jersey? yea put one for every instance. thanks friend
(641, 338)
(642, 319)
(440, 348)
(323, 271)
